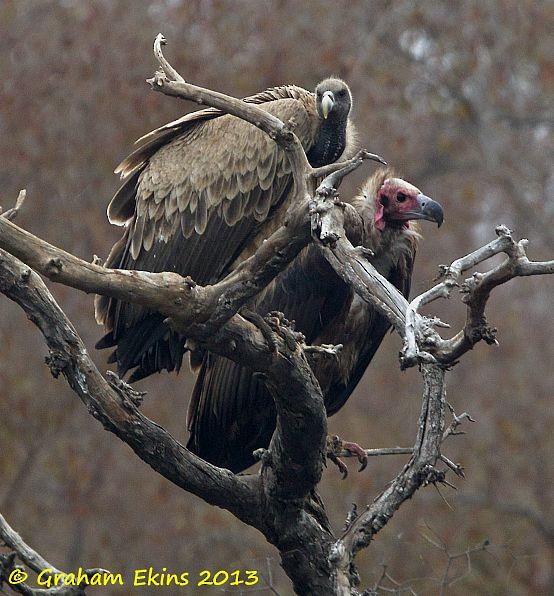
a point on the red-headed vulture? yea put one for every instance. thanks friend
(231, 412)
(197, 193)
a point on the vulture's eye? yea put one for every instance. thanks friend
(341, 93)
(401, 197)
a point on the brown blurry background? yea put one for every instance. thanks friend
(459, 97)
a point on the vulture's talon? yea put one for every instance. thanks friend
(343, 469)
(363, 252)
(263, 455)
(125, 390)
(336, 446)
(263, 325)
(325, 191)
(358, 451)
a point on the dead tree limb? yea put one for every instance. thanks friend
(419, 471)
(15, 577)
(476, 290)
(117, 413)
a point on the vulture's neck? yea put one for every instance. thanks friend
(390, 244)
(330, 142)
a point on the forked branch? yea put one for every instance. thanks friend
(476, 292)
(15, 577)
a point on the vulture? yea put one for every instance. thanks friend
(231, 412)
(199, 195)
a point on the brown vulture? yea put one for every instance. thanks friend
(231, 412)
(201, 192)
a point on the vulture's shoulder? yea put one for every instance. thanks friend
(282, 92)
(212, 153)
(149, 143)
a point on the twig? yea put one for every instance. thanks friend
(171, 83)
(29, 556)
(477, 290)
(456, 468)
(12, 213)
(379, 451)
(456, 422)
(335, 172)
(170, 72)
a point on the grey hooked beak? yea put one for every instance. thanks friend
(428, 209)
(327, 103)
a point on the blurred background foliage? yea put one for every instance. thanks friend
(459, 97)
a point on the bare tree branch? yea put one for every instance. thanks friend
(15, 577)
(30, 557)
(419, 471)
(12, 213)
(476, 292)
(376, 452)
(117, 413)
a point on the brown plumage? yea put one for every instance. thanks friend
(231, 412)
(197, 194)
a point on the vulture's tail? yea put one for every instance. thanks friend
(231, 414)
(149, 346)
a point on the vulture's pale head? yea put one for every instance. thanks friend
(333, 99)
(398, 201)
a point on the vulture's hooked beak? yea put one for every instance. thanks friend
(427, 209)
(327, 103)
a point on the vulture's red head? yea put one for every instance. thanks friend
(398, 201)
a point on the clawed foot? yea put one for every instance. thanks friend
(336, 445)
(358, 451)
(273, 326)
(264, 327)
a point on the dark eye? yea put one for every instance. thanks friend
(341, 93)
(401, 197)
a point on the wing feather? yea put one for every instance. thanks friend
(187, 224)
(247, 420)
(171, 204)
(148, 237)
(137, 236)
(201, 214)
(122, 206)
